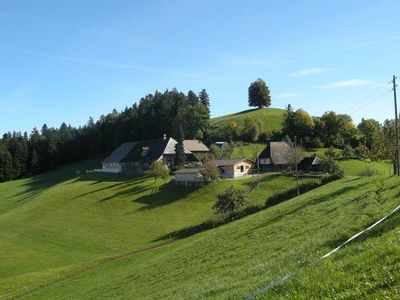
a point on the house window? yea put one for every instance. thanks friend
(247, 167)
(145, 151)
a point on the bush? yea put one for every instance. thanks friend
(158, 169)
(264, 137)
(368, 172)
(251, 130)
(348, 151)
(362, 151)
(332, 167)
(231, 200)
(215, 151)
(210, 171)
(317, 143)
(330, 153)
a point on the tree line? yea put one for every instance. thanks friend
(171, 112)
(369, 139)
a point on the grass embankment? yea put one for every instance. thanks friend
(270, 119)
(234, 260)
(61, 220)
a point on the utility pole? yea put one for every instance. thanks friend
(295, 162)
(397, 169)
(258, 164)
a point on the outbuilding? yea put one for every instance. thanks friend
(189, 177)
(232, 168)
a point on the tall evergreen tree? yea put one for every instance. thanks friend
(192, 98)
(6, 166)
(180, 158)
(204, 98)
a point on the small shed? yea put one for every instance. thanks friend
(189, 177)
(309, 164)
(232, 168)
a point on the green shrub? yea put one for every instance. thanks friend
(368, 172)
(232, 199)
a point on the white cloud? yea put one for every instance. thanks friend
(308, 72)
(346, 83)
(286, 95)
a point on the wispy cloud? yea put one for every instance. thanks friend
(346, 83)
(286, 95)
(308, 72)
(127, 66)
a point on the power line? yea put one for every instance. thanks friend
(369, 97)
(373, 100)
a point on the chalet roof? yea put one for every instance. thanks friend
(308, 162)
(170, 148)
(195, 146)
(229, 162)
(147, 151)
(189, 171)
(150, 150)
(279, 153)
(119, 154)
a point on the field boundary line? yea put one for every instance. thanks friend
(281, 280)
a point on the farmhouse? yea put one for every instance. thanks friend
(275, 157)
(189, 177)
(136, 157)
(232, 168)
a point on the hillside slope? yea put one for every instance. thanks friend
(237, 259)
(66, 218)
(270, 119)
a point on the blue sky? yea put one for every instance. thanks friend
(68, 60)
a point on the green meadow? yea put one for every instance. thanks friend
(270, 119)
(60, 221)
(237, 259)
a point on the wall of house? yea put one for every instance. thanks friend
(235, 171)
(112, 167)
(189, 179)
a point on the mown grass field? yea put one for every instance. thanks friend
(270, 119)
(58, 222)
(356, 167)
(247, 150)
(235, 260)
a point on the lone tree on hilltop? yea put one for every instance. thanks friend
(259, 94)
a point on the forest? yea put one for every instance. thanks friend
(23, 154)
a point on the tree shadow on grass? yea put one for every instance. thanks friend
(164, 195)
(37, 184)
(156, 195)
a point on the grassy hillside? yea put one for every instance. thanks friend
(231, 261)
(64, 219)
(356, 167)
(246, 150)
(270, 119)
